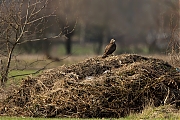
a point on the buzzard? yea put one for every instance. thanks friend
(110, 48)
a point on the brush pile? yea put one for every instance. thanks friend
(112, 87)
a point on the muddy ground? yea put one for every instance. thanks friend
(112, 87)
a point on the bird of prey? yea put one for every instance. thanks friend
(110, 48)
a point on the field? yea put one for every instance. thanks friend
(149, 112)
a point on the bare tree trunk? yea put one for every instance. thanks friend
(2, 71)
(5, 73)
(68, 46)
(69, 43)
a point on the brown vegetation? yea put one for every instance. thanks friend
(96, 87)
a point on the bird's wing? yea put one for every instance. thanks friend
(107, 48)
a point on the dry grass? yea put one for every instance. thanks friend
(112, 87)
(166, 112)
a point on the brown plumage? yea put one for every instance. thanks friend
(110, 48)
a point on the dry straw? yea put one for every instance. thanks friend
(112, 87)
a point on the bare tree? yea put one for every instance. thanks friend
(23, 21)
(173, 48)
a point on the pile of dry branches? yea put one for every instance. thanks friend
(110, 87)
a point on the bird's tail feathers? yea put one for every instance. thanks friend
(104, 56)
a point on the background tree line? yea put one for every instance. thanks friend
(130, 22)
